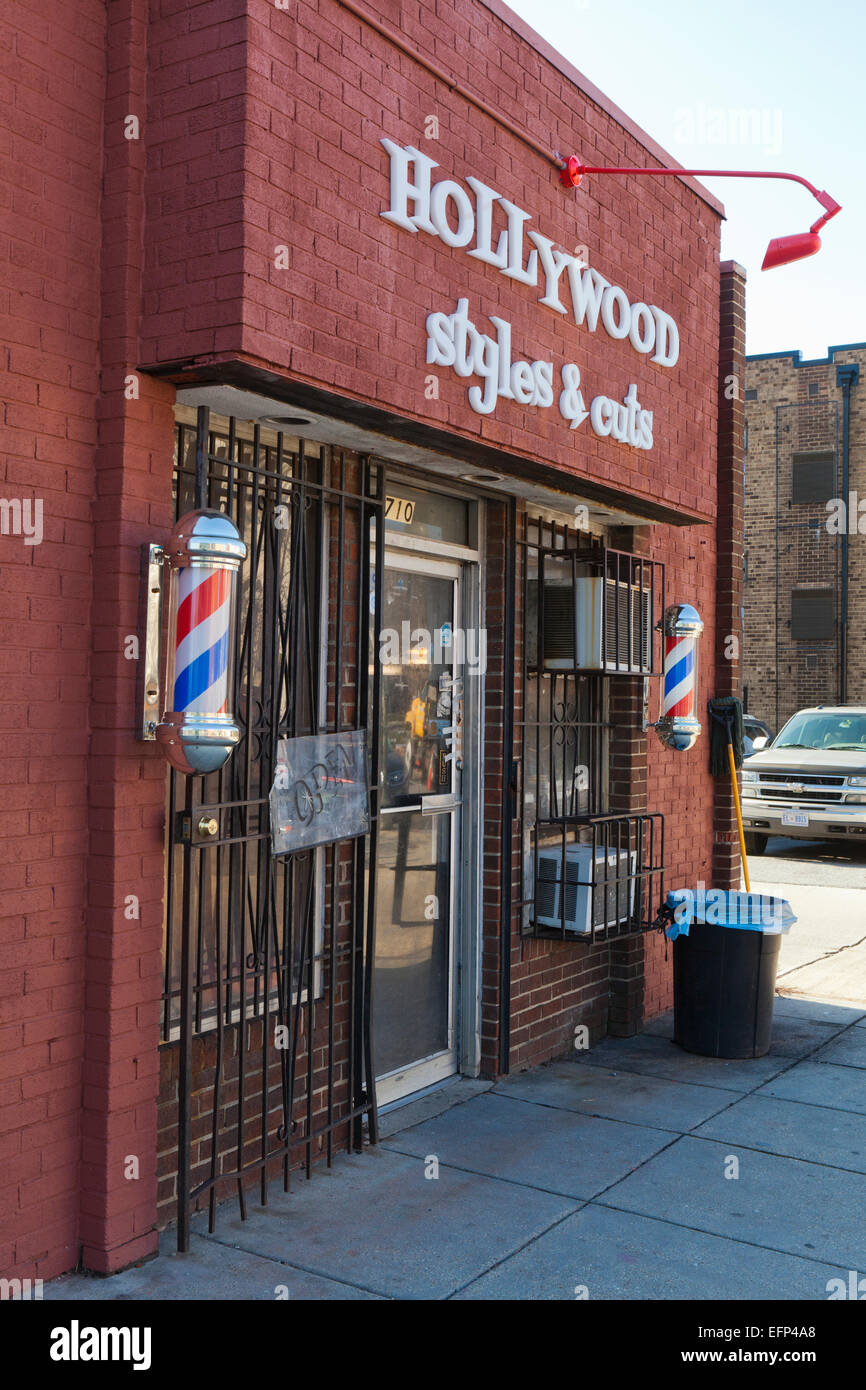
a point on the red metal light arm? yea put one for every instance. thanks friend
(826, 202)
(573, 171)
(780, 251)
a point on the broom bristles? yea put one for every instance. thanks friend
(728, 711)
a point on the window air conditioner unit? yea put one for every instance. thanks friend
(573, 626)
(579, 892)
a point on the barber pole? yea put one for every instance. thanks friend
(679, 676)
(204, 554)
(202, 641)
(678, 726)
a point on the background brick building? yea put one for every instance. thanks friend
(805, 541)
(230, 240)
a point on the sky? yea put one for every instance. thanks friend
(772, 84)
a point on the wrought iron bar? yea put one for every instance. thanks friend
(256, 951)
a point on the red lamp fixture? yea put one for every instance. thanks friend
(780, 251)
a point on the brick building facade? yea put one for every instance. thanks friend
(231, 281)
(805, 587)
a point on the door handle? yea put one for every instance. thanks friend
(433, 805)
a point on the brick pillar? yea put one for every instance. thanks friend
(495, 798)
(53, 68)
(132, 505)
(727, 657)
(628, 794)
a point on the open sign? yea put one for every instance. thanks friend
(320, 790)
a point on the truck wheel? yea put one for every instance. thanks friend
(755, 844)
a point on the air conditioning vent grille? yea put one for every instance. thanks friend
(559, 621)
(628, 627)
(612, 901)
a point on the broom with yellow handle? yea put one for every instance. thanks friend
(726, 755)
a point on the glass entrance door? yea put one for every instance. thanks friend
(414, 990)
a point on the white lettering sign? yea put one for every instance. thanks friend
(454, 341)
(444, 209)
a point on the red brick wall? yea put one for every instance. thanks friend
(679, 784)
(52, 60)
(494, 797)
(131, 506)
(83, 806)
(259, 127)
(299, 138)
(201, 143)
(318, 92)
(302, 142)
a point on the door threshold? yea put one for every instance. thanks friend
(419, 1095)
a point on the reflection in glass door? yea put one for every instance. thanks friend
(414, 990)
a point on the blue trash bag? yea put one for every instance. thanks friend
(727, 908)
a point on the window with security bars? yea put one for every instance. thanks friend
(268, 957)
(592, 609)
(588, 873)
(259, 921)
(813, 615)
(813, 477)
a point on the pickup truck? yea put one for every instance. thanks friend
(811, 782)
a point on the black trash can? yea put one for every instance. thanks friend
(725, 979)
(724, 985)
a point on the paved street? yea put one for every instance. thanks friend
(824, 954)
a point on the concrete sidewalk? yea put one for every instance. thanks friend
(605, 1174)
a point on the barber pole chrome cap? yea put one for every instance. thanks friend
(204, 553)
(678, 727)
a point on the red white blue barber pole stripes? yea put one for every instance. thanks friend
(202, 641)
(677, 726)
(198, 731)
(679, 676)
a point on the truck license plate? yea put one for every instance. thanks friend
(800, 818)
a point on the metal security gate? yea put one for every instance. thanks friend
(268, 959)
(591, 866)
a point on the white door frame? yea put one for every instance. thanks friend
(463, 1052)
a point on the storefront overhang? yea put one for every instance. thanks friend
(247, 391)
